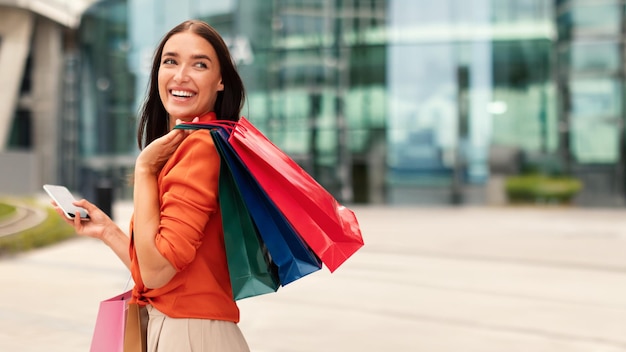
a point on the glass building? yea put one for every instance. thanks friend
(382, 101)
(465, 78)
(590, 78)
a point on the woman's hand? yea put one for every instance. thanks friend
(153, 157)
(97, 225)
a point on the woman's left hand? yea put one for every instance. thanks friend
(153, 157)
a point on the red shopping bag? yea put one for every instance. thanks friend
(330, 229)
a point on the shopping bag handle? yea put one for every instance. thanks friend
(213, 124)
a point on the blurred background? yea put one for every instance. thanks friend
(428, 104)
(382, 101)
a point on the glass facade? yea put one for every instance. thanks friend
(107, 122)
(108, 115)
(589, 48)
(590, 78)
(382, 99)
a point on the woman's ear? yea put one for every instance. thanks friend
(220, 86)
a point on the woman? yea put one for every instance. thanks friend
(176, 249)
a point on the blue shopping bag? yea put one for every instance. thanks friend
(287, 250)
(252, 271)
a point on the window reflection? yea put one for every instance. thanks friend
(597, 18)
(594, 56)
(594, 117)
(595, 97)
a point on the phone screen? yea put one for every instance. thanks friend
(64, 199)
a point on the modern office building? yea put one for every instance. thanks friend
(36, 42)
(590, 79)
(382, 101)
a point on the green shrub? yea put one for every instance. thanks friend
(542, 189)
(6, 210)
(51, 230)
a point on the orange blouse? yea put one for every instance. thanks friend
(190, 236)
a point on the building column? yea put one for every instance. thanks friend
(46, 94)
(16, 27)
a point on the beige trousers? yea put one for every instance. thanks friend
(167, 334)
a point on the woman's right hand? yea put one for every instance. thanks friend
(157, 153)
(98, 225)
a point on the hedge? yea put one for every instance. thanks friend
(51, 230)
(542, 189)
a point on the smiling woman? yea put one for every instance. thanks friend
(180, 67)
(189, 63)
(176, 249)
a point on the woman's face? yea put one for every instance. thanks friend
(189, 77)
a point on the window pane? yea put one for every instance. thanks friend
(595, 97)
(594, 115)
(596, 56)
(594, 141)
(602, 18)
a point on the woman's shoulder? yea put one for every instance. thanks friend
(197, 148)
(198, 140)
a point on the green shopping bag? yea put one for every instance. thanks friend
(251, 269)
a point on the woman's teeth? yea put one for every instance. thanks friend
(182, 93)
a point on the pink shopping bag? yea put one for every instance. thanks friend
(108, 334)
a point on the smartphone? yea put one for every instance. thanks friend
(64, 199)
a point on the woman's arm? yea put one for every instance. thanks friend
(155, 269)
(100, 226)
(170, 226)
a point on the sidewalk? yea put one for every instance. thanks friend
(428, 279)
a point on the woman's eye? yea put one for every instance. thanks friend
(169, 61)
(201, 65)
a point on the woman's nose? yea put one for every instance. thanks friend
(181, 74)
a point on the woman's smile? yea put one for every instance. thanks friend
(189, 76)
(182, 93)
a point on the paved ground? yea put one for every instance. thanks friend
(428, 279)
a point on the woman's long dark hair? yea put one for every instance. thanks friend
(154, 121)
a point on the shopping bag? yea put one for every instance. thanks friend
(330, 229)
(293, 258)
(252, 272)
(136, 328)
(113, 332)
(108, 335)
